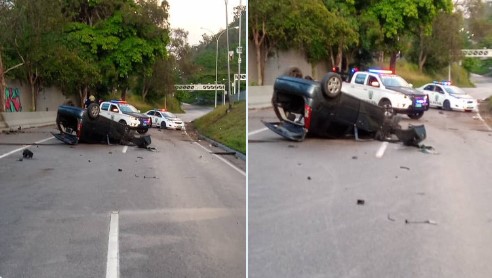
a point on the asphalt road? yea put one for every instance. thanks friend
(84, 210)
(305, 220)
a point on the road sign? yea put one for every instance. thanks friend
(477, 52)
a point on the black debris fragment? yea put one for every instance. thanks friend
(200, 156)
(427, 149)
(89, 161)
(309, 178)
(404, 167)
(154, 177)
(440, 112)
(20, 159)
(120, 170)
(361, 202)
(27, 153)
(354, 157)
(140, 157)
(292, 146)
(110, 152)
(390, 218)
(431, 222)
(136, 176)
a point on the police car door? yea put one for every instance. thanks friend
(439, 96)
(433, 96)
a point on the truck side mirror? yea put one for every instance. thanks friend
(375, 84)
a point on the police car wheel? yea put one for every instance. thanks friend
(163, 125)
(93, 111)
(331, 85)
(446, 105)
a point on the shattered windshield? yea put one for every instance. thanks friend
(394, 81)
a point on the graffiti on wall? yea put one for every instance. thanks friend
(12, 100)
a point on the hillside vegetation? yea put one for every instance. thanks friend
(228, 128)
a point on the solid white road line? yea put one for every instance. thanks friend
(381, 150)
(25, 147)
(483, 121)
(113, 263)
(223, 160)
(125, 148)
(257, 131)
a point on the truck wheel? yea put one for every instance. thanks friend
(415, 115)
(293, 72)
(388, 108)
(331, 85)
(446, 105)
(93, 111)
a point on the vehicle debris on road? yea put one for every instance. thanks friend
(431, 222)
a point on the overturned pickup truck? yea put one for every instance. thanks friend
(306, 107)
(87, 126)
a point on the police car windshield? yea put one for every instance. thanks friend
(394, 81)
(127, 108)
(169, 115)
(453, 90)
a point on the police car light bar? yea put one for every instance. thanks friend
(118, 101)
(380, 71)
(444, 82)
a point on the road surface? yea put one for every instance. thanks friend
(341, 208)
(115, 211)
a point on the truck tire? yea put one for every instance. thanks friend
(293, 72)
(388, 108)
(163, 125)
(415, 115)
(142, 130)
(93, 111)
(331, 85)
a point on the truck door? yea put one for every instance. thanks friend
(357, 87)
(372, 89)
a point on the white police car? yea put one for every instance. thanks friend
(448, 97)
(122, 112)
(164, 119)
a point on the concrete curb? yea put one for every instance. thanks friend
(14, 120)
(224, 147)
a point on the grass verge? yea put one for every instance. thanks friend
(226, 128)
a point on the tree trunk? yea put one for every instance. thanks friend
(339, 57)
(123, 93)
(83, 95)
(259, 61)
(3, 86)
(392, 64)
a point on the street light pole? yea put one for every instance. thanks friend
(217, 60)
(228, 59)
(239, 51)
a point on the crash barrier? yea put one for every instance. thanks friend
(260, 96)
(14, 120)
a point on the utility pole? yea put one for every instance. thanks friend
(228, 60)
(239, 51)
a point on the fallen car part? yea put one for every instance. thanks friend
(421, 222)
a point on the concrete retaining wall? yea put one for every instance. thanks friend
(259, 96)
(14, 120)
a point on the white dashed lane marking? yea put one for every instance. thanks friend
(382, 149)
(113, 262)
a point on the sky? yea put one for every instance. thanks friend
(192, 15)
